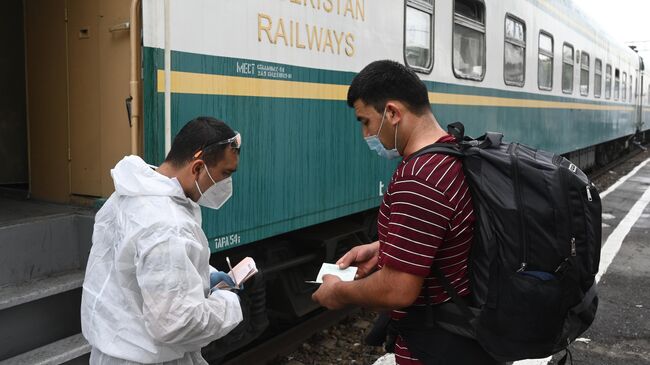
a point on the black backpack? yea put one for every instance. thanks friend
(536, 249)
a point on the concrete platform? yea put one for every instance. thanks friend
(621, 332)
(16, 211)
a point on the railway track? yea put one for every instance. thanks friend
(600, 171)
(286, 342)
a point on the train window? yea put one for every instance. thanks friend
(469, 39)
(617, 83)
(545, 61)
(608, 82)
(514, 51)
(567, 68)
(418, 35)
(584, 73)
(624, 87)
(629, 95)
(598, 77)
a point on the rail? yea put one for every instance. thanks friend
(291, 339)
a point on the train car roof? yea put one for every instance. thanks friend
(582, 23)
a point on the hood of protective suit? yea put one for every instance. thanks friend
(133, 177)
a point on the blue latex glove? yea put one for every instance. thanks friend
(219, 276)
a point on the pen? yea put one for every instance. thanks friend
(228, 261)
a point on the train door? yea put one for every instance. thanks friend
(77, 80)
(83, 64)
(47, 101)
(98, 62)
(13, 117)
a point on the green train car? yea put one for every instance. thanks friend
(277, 71)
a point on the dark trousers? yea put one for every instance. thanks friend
(435, 346)
(426, 341)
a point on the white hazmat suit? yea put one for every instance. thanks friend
(146, 291)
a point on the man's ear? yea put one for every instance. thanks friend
(195, 167)
(394, 112)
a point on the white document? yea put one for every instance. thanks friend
(333, 269)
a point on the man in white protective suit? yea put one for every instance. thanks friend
(147, 296)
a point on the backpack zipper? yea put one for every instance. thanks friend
(564, 171)
(573, 246)
(589, 233)
(520, 208)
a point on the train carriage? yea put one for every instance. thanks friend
(100, 79)
(278, 71)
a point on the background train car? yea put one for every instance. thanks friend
(89, 81)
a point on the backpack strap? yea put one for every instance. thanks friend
(463, 142)
(489, 139)
(562, 361)
(443, 148)
(586, 300)
(456, 129)
(454, 316)
(453, 294)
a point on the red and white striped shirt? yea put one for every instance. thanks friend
(427, 216)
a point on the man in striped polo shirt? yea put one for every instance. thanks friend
(426, 217)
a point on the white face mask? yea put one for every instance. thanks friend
(217, 194)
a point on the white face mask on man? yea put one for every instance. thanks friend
(217, 194)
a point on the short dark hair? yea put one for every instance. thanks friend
(384, 80)
(200, 134)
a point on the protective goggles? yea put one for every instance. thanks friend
(234, 142)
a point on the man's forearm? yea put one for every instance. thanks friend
(381, 290)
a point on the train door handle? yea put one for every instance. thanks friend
(120, 27)
(128, 103)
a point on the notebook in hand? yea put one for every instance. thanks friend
(240, 273)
